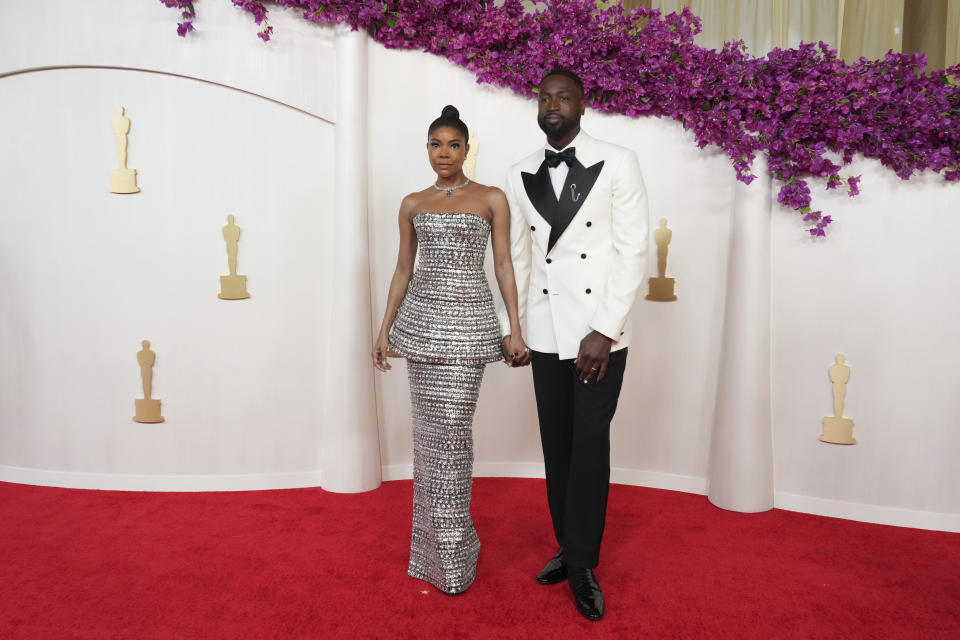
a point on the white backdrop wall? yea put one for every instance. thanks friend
(880, 289)
(295, 69)
(87, 274)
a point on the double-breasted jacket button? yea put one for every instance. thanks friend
(532, 228)
(588, 290)
(545, 291)
(583, 256)
(549, 260)
(589, 224)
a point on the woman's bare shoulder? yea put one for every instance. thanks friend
(412, 201)
(489, 193)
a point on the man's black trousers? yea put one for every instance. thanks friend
(575, 434)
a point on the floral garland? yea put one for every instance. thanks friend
(806, 109)
(187, 15)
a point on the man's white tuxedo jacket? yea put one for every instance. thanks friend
(587, 277)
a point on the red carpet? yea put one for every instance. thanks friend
(305, 563)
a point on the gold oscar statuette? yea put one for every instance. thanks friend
(122, 180)
(470, 163)
(662, 287)
(837, 429)
(233, 286)
(148, 408)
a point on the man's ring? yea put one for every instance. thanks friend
(593, 369)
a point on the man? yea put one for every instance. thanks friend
(578, 234)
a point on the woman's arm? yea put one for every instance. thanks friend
(406, 253)
(503, 266)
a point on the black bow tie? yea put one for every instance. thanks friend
(553, 159)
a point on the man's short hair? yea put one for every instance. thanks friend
(561, 71)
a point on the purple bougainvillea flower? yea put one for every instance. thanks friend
(804, 108)
(853, 183)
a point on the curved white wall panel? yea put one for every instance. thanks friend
(297, 67)
(882, 288)
(87, 274)
(350, 448)
(741, 447)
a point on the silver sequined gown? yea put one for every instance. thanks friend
(447, 329)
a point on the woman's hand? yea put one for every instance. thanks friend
(379, 354)
(517, 353)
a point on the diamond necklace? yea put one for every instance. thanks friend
(450, 190)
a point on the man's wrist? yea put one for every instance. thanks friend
(603, 335)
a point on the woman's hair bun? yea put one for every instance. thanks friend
(450, 117)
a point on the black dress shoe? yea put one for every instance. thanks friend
(555, 571)
(586, 592)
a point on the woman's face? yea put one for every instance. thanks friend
(447, 150)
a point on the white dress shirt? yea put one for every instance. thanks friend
(558, 174)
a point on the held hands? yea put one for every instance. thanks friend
(593, 357)
(515, 351)
(379, 354)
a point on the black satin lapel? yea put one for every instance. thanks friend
(540, 192)
(576, 188)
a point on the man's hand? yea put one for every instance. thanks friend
(519, 359)
(593, 357)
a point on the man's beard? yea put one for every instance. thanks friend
(559, 130)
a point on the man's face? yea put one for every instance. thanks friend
(560, 106)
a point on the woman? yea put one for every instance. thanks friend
(441, 318)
